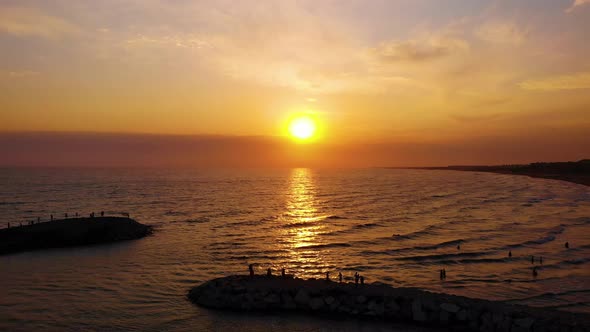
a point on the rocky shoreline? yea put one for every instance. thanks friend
(70, 232)
(379, 301)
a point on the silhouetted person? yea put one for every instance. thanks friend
(340, 277)
(251, 268)
(268, 272)
(8, 225)
(283, 274)
(458, 247)
(20, 224)
(356, 278)
(567, 245)
(362, 280)
(51, 217)
(328, 276)
(440, 272)
(38, 219)
(541, 260)
(66, 215)
(444, 274)
(532, 259)
(102, 213)
(535, 273)
(510, 253)
(76, 214)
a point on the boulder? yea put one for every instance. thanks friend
(417, 312)
(272, 299)
(302, 297)
(526, 322)
(316, 303)
(449, 307)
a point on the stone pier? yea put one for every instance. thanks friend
(379, 301)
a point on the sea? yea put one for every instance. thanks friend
(392, 226)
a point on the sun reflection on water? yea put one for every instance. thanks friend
(303, 223)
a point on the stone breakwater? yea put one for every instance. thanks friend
(70, 232)
(380, 301)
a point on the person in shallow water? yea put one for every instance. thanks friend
(251, 268)
(532, 259)
(102, 213)
(535, 273)
(567, 245)
(510, 253)
(268, 272)
(340, 277)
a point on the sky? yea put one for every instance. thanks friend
(212, 83)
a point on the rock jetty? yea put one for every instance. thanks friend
(380, 301)
(70, 232)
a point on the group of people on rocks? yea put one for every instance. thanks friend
(357, 277)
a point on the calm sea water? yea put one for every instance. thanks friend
(393, 226)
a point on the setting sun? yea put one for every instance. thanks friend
(302, 127)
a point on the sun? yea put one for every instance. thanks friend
(302, 127)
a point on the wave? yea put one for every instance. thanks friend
(438, 257)
(325, 246)
(550, 236)
(335, 217)
(440, 245)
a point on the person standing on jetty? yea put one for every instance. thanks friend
(328, 276)
(283, 274)
(251, 268)
(102, 213)
(268, 272)
(362, 280)
(340, 277)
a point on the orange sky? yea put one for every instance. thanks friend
(397, 82)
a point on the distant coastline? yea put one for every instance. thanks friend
(571, 171)
(70, 232)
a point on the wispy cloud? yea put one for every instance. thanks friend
(30, 22)
(502, 33)
(22, 73)
(576, 4)
(419, 50)
(563, 82)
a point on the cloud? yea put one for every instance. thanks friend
(576, 4)
(22, 73)
(563, 82)
(419, 50)
(502, 33)
(30, 22)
